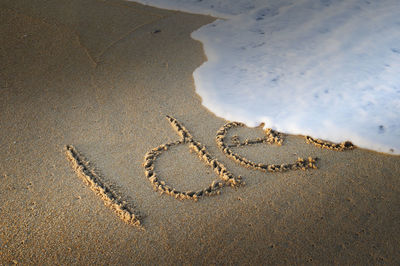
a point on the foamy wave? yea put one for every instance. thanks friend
(329, 69)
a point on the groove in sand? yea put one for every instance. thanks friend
(271, 137)
(95, 182)
(186, 138)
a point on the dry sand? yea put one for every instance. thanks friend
(102, 76)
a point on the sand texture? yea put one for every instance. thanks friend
(102, 91)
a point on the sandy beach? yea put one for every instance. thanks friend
(102, 75)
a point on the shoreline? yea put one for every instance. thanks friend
(114, 112)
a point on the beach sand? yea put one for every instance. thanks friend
(102, 76)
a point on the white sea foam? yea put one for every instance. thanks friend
(327, 68)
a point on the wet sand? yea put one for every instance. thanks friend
(102, 76)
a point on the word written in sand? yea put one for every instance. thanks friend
(95, 182)
(226, 178)
(272, 137)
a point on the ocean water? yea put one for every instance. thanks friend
(325, 68)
